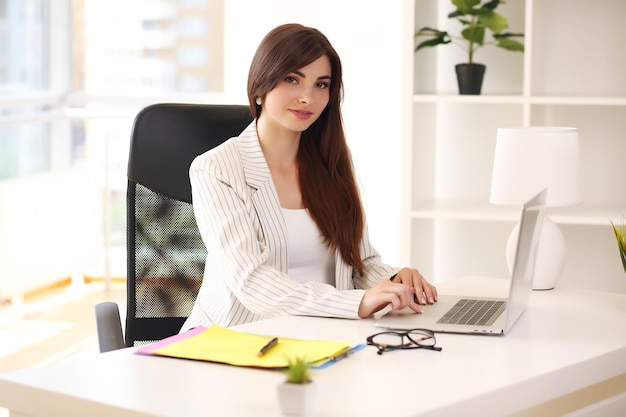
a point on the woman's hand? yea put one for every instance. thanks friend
(406, 289)
(424, 291)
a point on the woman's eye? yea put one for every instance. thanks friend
(323, 85)
(291, 80)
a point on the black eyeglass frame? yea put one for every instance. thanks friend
(412, 344)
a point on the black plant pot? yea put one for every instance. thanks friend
(470, 78)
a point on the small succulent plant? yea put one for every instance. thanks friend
(620, 235)
(298, 371)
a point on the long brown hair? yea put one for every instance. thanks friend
(326, 175)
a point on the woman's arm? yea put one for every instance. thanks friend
(388, 285)
(243, 258)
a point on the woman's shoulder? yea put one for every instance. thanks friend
(228, 151)
(212, 159)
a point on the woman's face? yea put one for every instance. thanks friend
(299, 98)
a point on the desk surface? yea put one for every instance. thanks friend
(566, 340)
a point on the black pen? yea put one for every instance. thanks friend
(268, 346)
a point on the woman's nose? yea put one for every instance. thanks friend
(305, 95)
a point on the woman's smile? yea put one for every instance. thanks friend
(302, 114)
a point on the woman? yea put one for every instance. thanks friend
(278, 207)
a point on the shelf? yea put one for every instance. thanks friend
(457, 98)
(483, 211)
(578, 101)
(517, 99)
(453, 137)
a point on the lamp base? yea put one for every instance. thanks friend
(550, 255)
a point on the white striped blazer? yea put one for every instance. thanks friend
(241, 223)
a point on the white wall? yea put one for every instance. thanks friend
(370, 38)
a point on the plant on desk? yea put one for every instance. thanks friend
(295, 394)
(620, 235)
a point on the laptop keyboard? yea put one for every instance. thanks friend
(473, 312)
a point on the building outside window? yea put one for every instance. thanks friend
(73, 74)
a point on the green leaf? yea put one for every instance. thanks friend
(507, 35)
(491, 4)
(428, 31)
(510, 44)
(474, 34)
(437, 37)
(298, 371)
(431, 42)
(465, 5)
(475, 12)
(620, 235)
(494, 21)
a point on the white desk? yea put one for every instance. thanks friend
(567, 340)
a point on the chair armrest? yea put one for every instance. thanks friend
(109, 326)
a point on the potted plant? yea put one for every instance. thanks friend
(295, 394)
(476, 19)
(620, 235)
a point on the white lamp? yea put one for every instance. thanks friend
(528, 159)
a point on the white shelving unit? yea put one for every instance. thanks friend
(571, 74)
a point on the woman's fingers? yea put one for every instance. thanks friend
(405, 298)
(425, 293)
(387, 292)
(408, 289)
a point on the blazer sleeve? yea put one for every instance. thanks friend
(243, 282)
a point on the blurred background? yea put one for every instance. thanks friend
(74, 73)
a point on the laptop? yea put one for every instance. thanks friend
(477, 315)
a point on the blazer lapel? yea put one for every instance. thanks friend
(264, 196)
(267, 206)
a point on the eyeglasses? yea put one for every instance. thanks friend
(394, 340)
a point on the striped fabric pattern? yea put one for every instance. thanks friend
(240, 219)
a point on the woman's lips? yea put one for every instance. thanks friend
(302, 114)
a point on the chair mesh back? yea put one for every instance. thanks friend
(169, 256)
(165, 264)
(165, 252)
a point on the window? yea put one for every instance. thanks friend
(22, 47)
(24, 149)
(73, 75)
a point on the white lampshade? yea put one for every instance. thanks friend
(528, 159)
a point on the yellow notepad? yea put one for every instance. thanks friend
(223, 345)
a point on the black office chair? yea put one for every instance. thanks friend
(165, 253)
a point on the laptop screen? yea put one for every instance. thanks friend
(526, 253)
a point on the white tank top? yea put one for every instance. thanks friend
(308, 258)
